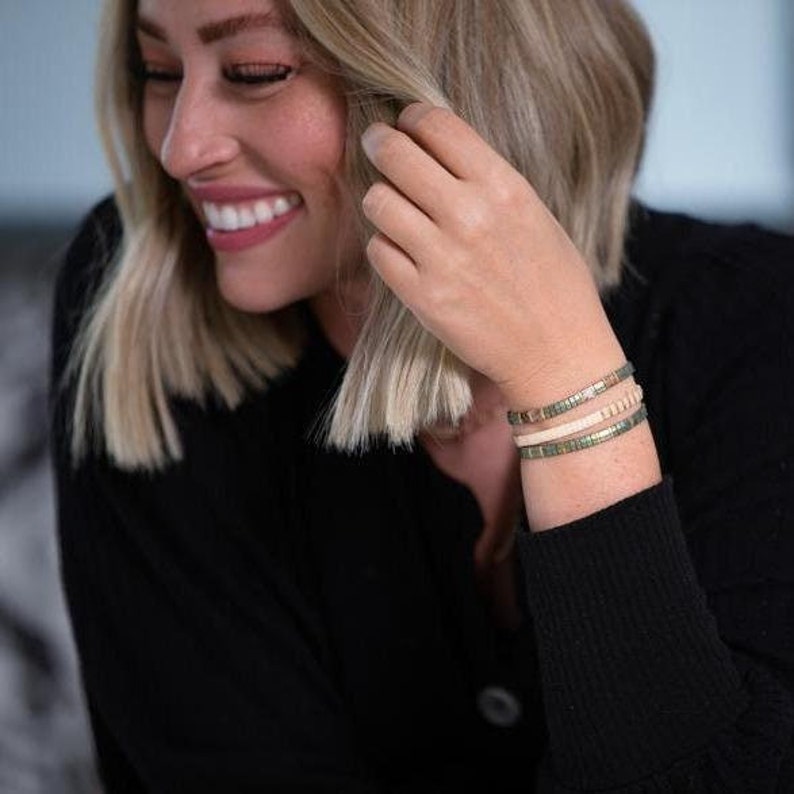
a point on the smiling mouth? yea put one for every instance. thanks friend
(232, 217)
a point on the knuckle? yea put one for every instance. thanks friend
(505, 194)
(435, 296)
(473, 220)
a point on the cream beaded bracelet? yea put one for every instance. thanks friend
(631, 398)
(536, 451)
(534, 415)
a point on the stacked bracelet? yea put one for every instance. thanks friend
(555, 441)
(535, 451)
(534, 415)
(631, 398)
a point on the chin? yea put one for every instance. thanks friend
(253, 294)
(253, 301)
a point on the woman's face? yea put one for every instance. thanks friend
(255, 136)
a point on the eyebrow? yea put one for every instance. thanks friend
(214, 31)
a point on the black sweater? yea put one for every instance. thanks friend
(271, 616)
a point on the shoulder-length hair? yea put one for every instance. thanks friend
(561, 88)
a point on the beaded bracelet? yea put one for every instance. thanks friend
(534, 415)
(536, 451)
(631, 398)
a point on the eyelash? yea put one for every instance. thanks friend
(255, 73)
(244, 74)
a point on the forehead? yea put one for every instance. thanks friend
(212, 19)
(190, 9)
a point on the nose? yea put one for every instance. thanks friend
(197, 138)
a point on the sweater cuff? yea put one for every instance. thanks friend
(626, 644)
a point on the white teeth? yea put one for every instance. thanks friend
(213, 215)
(245, 219)
(263, 212)
(230, 218)
(281, 206)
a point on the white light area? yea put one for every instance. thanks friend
(722, 132)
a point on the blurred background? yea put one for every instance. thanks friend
(721, 146)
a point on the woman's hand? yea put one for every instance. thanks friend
(466, 244)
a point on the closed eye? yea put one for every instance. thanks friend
(257, 73)
(245, 74)
(146, 73)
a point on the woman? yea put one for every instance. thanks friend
(291, 571)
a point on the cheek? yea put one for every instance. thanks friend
(327, 131)
(154, 123)
(313, 138)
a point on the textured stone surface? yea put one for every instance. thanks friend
(44, 742)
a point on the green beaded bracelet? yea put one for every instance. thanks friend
(534, 415)
(536, 451)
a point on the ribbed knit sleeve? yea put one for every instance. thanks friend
(641, 692)
(665, 623)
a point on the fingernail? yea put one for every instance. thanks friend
(372, 137)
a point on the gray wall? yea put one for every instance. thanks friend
(722, 141)
(722, 132)
(50, 166)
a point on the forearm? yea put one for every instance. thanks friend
(563, 489)
(567, 487)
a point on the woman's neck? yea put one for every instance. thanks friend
(340, 313)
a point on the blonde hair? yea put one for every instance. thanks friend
(561, 88)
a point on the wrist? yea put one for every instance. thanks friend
(560, 379)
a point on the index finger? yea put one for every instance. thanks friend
(452, 142)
